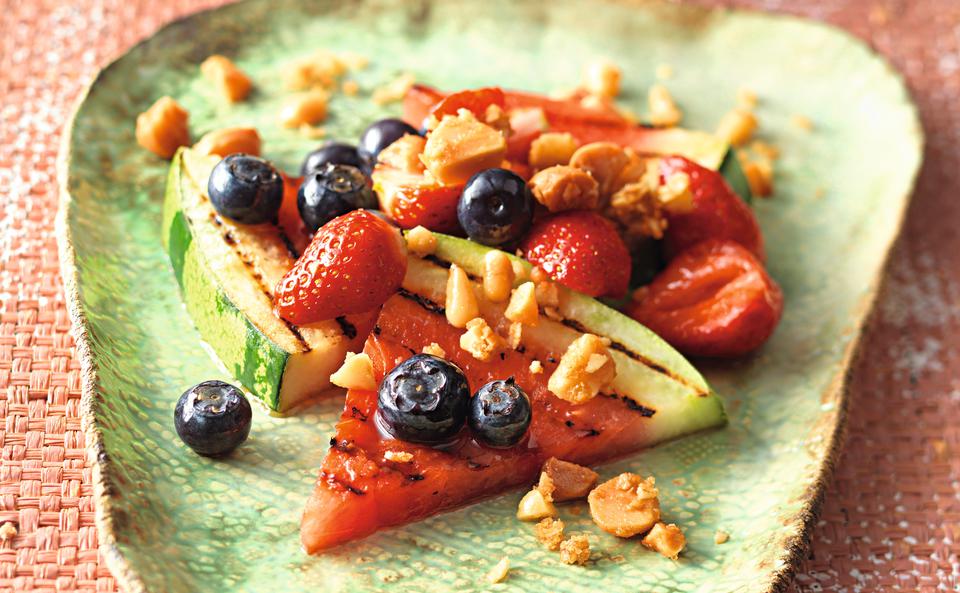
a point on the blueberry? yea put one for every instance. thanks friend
(246, 189)
(495, 207)
(212, 418)
(332, 191)
(499, 413)
(383, 133)
(336, 153)
(424, 399)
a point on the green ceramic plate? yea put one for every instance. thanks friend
(171, 522)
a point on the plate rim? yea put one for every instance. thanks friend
(837, 391)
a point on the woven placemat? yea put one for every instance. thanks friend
(892, 514)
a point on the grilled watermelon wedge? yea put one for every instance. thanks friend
(656, 396)
(227, 273)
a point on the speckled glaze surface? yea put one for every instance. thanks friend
(174, 522)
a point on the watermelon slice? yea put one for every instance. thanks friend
(657, 395)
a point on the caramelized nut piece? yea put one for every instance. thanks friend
(231, 82)
(461, 146)
(562, 187)
(759, 174)
(737, 126)
(602, 78)
(481, 341)
(515, 335)
(497, 276)
(356, 372)
(549, 532)
(663, 111)
(585, 368)
(667, 539)
(536, 367)
(306, 108)
(575, 550)
(227, 141)
(398, 456)
(404, 154)
(523, 305)
(533, 507)
(636, 169)
(721, 537)
(552, 148)
(625, 506)
(570, 481)
(604, 161)
(421, 241)
(162, 129)
(548, 294)
(638, 208)
(8, 531)
(321, 69)
(675, 194)
(461, 302)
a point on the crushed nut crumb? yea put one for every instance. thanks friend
(604, 161)
(566, 481)
(737, 126)
(515, 335)
(675, 193)
(575, 550)
(548, 295)
(480, 340)
(398, 456)
(499, 571)
(663, 111)
(534, 507)
(162, 128)
(552, 148)
(667, 539)
(421, 241)
(549, 532)
(434, 349)
(523, 306)
(572, 381)
(394, 90)
(602, 78)
(638, 210)
(7, 531)
(356, 372)
(461, 300)
(305, 108)
(626, 505)
(563, 187)
(536, 367)
(231, 82)
(721, 537)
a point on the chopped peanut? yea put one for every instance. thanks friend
(162, 128)
(663, 111)
(562, 187)
(398, 456)
(666, 539)
(575, 550)
(421, 241)
(737, 126)
(497, 276)
(546, 487)
(434, 349)
(581, 375)
(569, 481)
(533, 507)
(515, 335)
(636, 169)
(356, 372)
(626, 505)
(548, 294)
(759, 174)
(461, 146)
(603, 161)
(523, 305)
(461, 302)
(552, 148)
(721, 537)
(7, 531)
(497, 118)
(536, 367)
(227, 141)
(306, 108)
(549, 532)
(231, 81)
(675, 194)
(602, 78)
(321, 69)
(394, 90)
(350, 87)
(499, 571)
(480, 340)
(404, 154)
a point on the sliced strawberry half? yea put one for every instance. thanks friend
(354, 264)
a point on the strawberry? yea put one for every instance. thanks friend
(718, 213)
(476, 101)
(354, 264)
(581, 250)
(412, 199)
(713, 299)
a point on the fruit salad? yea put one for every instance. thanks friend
(506, 285)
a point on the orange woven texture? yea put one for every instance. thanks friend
(892, 514)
